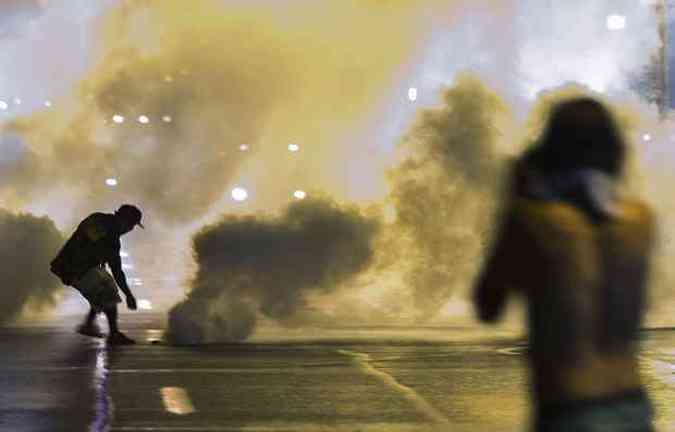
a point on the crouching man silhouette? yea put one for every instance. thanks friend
(81, 264)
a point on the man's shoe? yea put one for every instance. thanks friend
(91, 330)
(119, 338)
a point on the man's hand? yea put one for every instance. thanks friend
(131, 302)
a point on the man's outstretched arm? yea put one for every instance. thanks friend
(115, 264)
(498, 273)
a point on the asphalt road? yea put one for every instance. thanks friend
(340, 380)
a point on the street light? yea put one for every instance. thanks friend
(412, 94)
(239, 194)
(616, 22)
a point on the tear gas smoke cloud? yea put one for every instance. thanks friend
(443, 190)
(320, 74)
(232, 73)
(177, 169)
(27, 246)
(264, 73)
(250, 265)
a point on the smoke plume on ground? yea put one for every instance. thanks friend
(443, 191)
(27, 246)
(257, 265)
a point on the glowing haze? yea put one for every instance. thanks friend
(201, 110)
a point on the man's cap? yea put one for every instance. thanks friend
(131, 212)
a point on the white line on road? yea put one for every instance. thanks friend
(364, 361)
(176, 400)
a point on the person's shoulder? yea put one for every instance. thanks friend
(528, 208)
(637, 213)
(638, 210)
(550, 218)
(97, 225)
(97, 217)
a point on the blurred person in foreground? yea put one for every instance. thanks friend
(579, 254)
(81, 264)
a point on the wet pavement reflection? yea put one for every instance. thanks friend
(375, 379)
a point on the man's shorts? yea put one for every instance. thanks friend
(631, 412)
(99, 288)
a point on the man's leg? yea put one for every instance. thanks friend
(115, 336)
(89, 326)
(111, 314)
(90, 317)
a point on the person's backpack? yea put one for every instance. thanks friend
(78, 254)
(60, 267)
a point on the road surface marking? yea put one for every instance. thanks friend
(176, 400)
(364, 361)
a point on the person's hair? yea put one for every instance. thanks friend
(130, 212)
(581, 133)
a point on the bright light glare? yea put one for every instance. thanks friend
(111, 182)
(293, 147)
(167, 119)
(144, 304)
(412, 94)
(616, 22)
(17, 101)
(3, 105)
(647, 137)
(300, 194)
(243, 147)
(239, 194)
(124, 254)
(127, 266)
(118, 118)
(143, 119)
(48, 103)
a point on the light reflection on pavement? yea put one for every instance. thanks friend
(367, 380)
